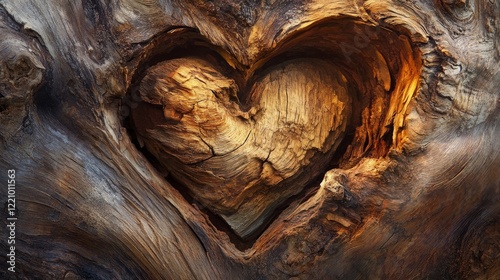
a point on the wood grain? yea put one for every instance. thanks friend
(243, 164)
(252, 140)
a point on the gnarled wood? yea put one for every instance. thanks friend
(251, 140)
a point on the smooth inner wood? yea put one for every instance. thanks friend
(243, 164)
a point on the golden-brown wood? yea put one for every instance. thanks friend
(242, 164)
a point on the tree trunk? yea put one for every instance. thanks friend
(251, 140)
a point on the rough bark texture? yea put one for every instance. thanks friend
(253, 139)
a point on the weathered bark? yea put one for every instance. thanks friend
(252, 140)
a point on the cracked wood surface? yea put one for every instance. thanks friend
(243, 164)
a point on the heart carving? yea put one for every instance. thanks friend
(242, 160)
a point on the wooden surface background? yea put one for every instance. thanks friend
(158, 139)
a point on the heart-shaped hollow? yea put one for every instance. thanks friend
(243, 164)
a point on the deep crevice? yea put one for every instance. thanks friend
(347, 153)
